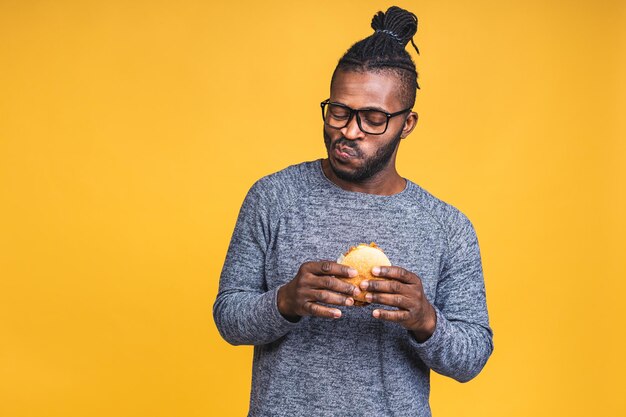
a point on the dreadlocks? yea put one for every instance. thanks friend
(384, 50)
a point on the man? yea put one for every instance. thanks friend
(316, 354)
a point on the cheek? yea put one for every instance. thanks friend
(330, 133)
(327, 138)
(331, 136)
(375, 144)
(380, 149)
(368, 149)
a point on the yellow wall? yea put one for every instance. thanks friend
(131, 130)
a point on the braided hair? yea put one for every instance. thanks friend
(384, 50)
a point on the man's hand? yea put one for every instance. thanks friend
(316, 283)
(404, 290)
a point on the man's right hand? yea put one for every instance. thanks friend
(315, 283)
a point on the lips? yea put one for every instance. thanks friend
(345, 152)
(346, 149)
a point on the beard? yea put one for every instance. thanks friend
(370, 167)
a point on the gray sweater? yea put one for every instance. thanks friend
(355, 365)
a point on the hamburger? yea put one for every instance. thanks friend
(363, 258)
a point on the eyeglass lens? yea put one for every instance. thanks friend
(371, 121)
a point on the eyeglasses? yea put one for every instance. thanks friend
(370, 121)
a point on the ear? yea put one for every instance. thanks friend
(409, 124)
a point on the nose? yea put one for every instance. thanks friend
(351, 130)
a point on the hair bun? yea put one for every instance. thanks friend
(398, 24)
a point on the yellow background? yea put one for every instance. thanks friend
(130, 132)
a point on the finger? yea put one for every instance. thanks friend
(318, 310)
(391, 315)
(329, 297)
(395, 272)
(332, 268)
(392, 300)
(384, 285)
(331, 283)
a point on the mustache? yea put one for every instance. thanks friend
(347, 143)
(341, 142)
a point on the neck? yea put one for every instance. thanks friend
(385, 182)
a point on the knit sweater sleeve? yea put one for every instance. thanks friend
(462, 341)
(245, 310)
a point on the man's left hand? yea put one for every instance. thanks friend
(403, 290)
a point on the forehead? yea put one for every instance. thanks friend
(367, 89)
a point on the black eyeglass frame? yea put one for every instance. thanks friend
(353, 112)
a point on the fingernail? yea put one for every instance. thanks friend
(376, 270)
(337, 314)
(349, 301)
(352, 272)
(368, 296)
(356, 291)
(364, 285)
(376, 314)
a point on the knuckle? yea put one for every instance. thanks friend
(304, 267)
(298, 291)
(313, 308)
(303, 281)
(402, 272)
(419, 292)
(396, 286)
(319, 311)
(397, 300)
(300, 294)
(326, 281)
(326, 267)
(322, 296)
(341, 286)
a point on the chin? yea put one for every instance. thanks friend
(343, 172)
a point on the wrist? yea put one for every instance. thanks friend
(427, 327)
(282, 303)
